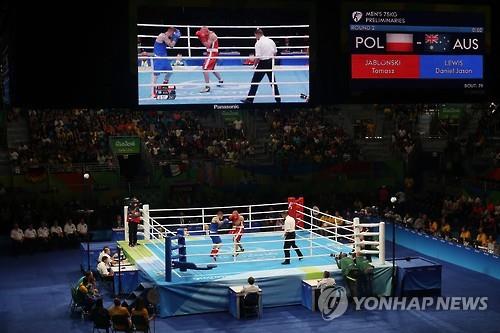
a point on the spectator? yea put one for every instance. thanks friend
(445, 229)
(91, 283)
(140, 311)
(482, 238)
(100, 316)
(17, 238)
(419, 223)
(465, 236)
(238, 128)
(118, 310)
(326, 281)
(328, 223)
(491, 244)
(85, 295)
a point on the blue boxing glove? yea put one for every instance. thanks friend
(176, 35)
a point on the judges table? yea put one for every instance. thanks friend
(235, 301)
(129, 279)
(418, 277)
(94, 248)
(310, 294)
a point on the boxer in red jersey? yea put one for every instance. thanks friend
(209, 39)
(237, 231)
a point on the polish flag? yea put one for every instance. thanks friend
(399, 42)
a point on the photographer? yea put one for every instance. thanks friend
(358, 273)
(133, 219)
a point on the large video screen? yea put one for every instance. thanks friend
(418, 48)
(222, 56)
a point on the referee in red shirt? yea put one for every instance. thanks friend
(133, 219)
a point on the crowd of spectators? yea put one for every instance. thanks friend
(61, 138)
(182, 136)
(306, 135)
(465, 219)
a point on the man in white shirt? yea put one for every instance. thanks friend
(43, 234)
(265, 51)
(106, 252)
(17, 237)
(82, 229)
(250, 288)
(104, 267)
(289, 227)
(70, 231)
(326, 281)
(56, 233)
(30, 238)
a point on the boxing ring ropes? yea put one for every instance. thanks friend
(158, 226)
(188, 36)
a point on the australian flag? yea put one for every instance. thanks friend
(437, 42)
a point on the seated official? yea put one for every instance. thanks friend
(82, 230)
(56, 233)
(118, 310)
(326, 281)
(30, 238)
(104, 269)
(43, 235)
(100, 316)
(106, 251)
(70, 232)
(250, 288)
(17, 238)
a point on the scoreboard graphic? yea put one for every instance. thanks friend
(414, 48)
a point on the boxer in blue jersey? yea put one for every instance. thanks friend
(160, 49)
(213, 229)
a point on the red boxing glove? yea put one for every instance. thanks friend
(202, 36)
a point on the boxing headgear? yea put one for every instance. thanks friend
(202, 35)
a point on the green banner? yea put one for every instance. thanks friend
(125, 145)
(450, 112)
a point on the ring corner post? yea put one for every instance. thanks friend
(168, 259)
(356, 230)
(181, 243)
(381, 243)
(146, 222)
(125, 222)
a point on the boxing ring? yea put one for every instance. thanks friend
(200, 284)
(234, 63)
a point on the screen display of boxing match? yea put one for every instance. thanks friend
(189, 56)
(424, 48)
